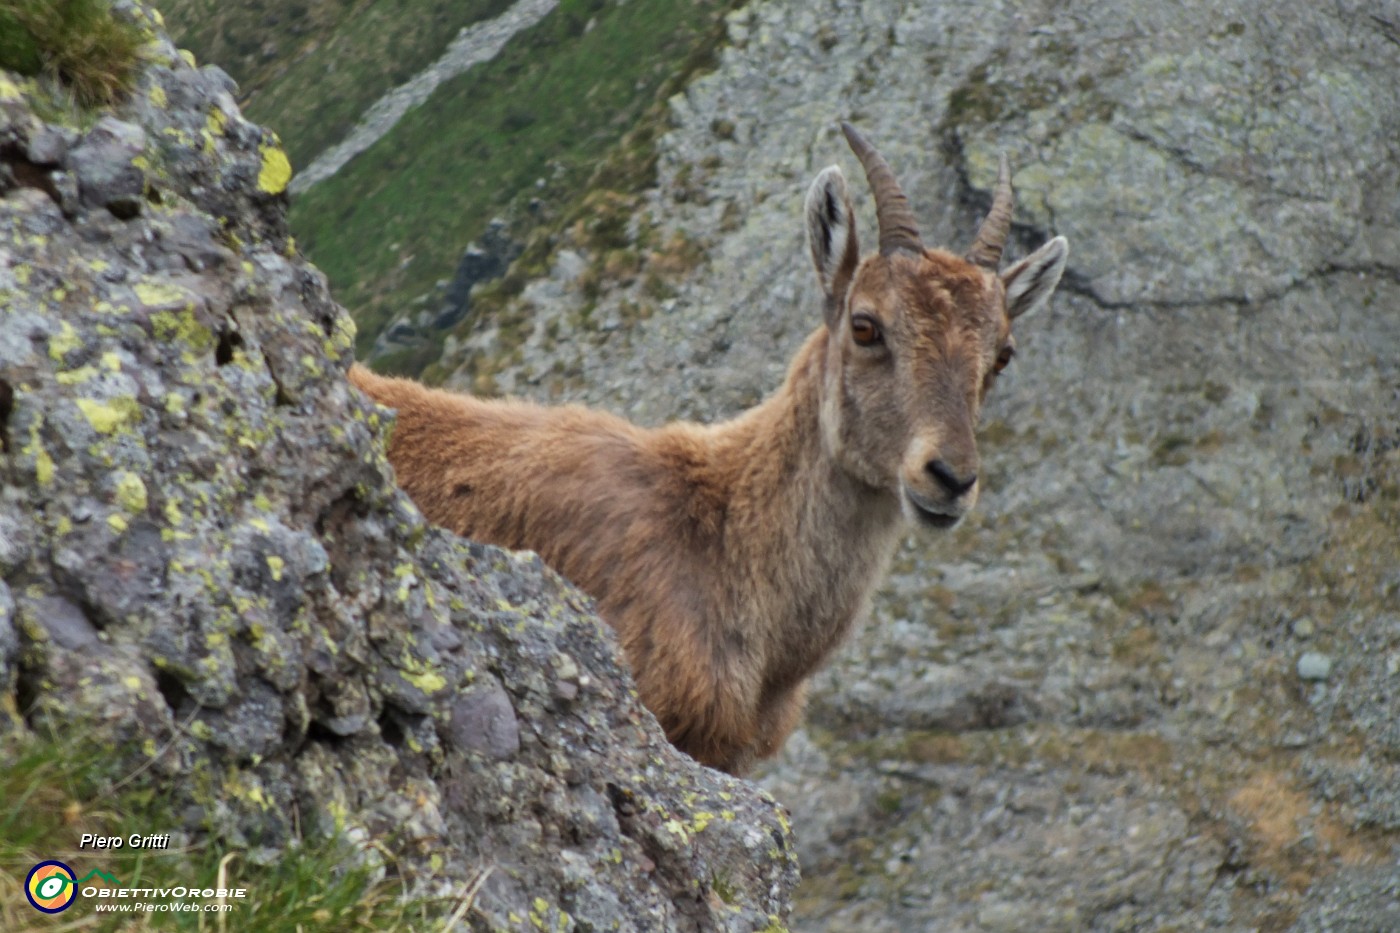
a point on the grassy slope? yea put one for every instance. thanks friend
(552, 105)
(309, 68)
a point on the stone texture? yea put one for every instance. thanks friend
(1082, 709)
(202, 550)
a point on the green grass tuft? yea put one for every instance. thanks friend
(78, 42)
(51, 792)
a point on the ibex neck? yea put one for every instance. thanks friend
(786, 479)
(778, 442)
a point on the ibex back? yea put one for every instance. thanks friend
(733, 558)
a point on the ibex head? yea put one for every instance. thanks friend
(917, 337)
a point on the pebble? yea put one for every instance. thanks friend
(1314, 666)
(1303, 628)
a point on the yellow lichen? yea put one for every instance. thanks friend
(162, 295)
(427, 681)
(117, 523)
(157, 96)
(131, 493)
(43, 466)
(276, 565)
(64, 342)
(74, 377)
(107, 417)
(276, 169)
(181, 326)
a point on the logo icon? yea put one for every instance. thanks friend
(51, 887)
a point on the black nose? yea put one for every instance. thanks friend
(951, 482)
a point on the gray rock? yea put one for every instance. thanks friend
(481, 262)
(50, 144)
(483, 721)
(65, 623)
(9, 639)
(104, 164)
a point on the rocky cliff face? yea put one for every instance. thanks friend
(1152, 684)
(205, 565)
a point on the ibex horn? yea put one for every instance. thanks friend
(991, 236)
(897, 227)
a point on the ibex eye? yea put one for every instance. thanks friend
(865, 331)
(1004, 357)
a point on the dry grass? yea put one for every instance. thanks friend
(77, 42)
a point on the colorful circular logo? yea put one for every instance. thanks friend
(51, 887)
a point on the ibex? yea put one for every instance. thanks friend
(733, 558)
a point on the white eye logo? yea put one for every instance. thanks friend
(52, 886)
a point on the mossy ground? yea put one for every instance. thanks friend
(52, 791)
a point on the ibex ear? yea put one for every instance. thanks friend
(831, 234)
(1030, 283)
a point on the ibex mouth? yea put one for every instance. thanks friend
(929, 515)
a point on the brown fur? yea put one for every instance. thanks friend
(732, 559)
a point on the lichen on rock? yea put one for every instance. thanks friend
(202, 551)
